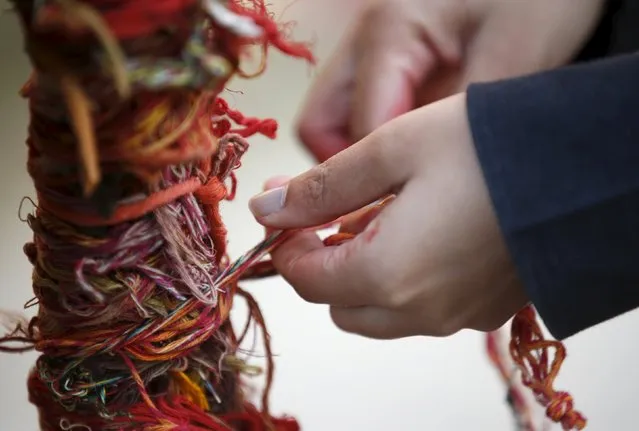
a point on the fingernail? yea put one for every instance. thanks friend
(269, 202)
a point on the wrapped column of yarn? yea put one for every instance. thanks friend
(131, 151)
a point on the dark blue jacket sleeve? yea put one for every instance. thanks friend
(560, 154)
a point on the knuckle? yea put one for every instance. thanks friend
(444, 322)
(375, 20)
(396, 298)
(315, 189)
(448, 327)
(377, 146)
(386, 148)
(394, 292)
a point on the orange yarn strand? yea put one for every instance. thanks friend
(530, 351)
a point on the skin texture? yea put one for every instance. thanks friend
(433, 260)
(402, 54)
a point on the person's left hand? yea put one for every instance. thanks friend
(403, 54)
(432, 262)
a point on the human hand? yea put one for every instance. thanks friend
(432, 262)
(403, 54)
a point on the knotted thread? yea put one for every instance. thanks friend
(530, 351)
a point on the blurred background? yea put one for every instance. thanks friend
(329, 380)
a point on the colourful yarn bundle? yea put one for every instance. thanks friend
(131, 151)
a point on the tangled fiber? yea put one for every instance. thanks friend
(131, 150)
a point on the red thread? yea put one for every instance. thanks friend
(338, 239)
(250, 125)
(232, 190)
(272, 32)
(124, 212)
(209, 196)
(530, 351)
(259, 270)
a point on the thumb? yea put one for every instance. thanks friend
(355, 177)
(271, 184)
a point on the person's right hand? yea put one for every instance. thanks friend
(432, 261)
(402, 54)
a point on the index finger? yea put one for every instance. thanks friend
(335, 275)
(323, 125)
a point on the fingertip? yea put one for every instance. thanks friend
(270, 184)
(268, 203)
